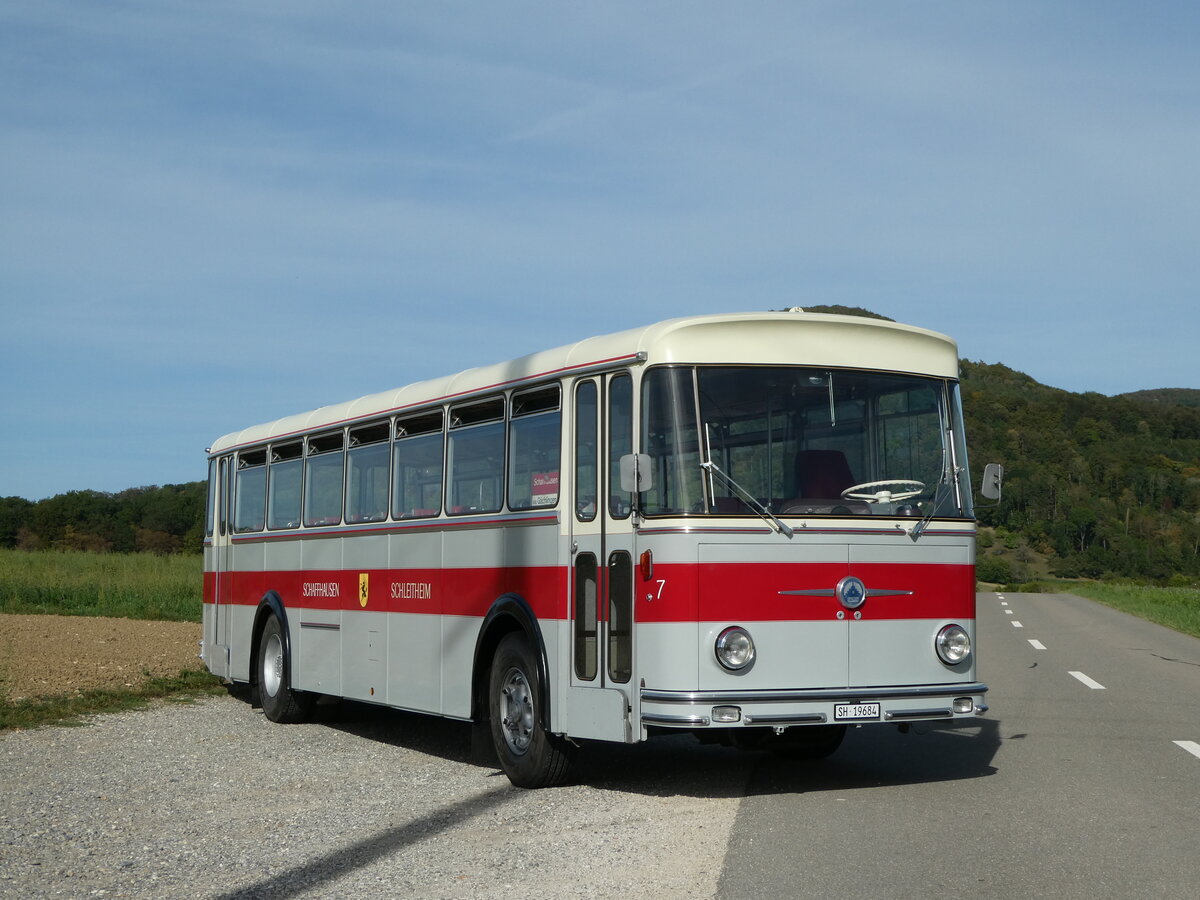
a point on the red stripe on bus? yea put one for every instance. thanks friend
(707, 592)
(453, 592)
(751, 592)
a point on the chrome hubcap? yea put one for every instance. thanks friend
(516, 711)
(272, 673)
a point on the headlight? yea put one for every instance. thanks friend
(953, 644)
(735, 648)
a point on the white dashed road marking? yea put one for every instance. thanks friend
(1037, 645)
(1190, 746)
(1092, 683)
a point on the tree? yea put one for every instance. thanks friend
(14, 511)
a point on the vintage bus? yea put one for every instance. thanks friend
(754, 527)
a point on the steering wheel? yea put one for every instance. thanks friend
(908, 488)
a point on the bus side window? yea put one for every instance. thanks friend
(323, 480)
(250, 492)
(535, 448)
(367, 474)
(285, 475)
(417, 465)
(475, 459)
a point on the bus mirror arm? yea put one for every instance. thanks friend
(781, 526)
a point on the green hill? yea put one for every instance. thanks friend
(1176, 396)
(1096, 485)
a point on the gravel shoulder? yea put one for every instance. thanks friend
(209, 799)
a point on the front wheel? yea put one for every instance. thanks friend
(529, 755)
(279, 702)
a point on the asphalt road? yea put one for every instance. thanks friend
(1082, 781)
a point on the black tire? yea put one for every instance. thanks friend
(529, 756)
(279, 702)
(808, 742)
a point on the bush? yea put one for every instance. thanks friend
(994, 570)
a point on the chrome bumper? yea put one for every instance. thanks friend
(782, 709)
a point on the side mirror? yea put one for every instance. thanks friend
(636, 473)
(993, 477)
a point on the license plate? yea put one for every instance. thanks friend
(848, 711)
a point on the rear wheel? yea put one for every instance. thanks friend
(529, 755)
(279, 702)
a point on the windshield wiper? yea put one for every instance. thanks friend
(766, 515)
(943, 489)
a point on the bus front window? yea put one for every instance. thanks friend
(805, 442)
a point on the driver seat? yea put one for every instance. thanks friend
(823, 473)
(821, 476)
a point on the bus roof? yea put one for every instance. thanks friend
(768, 338)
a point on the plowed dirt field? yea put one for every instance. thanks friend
(50, 655)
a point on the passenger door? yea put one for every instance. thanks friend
(600, 701)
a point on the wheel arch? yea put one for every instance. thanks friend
(271, 604)
(509, 613)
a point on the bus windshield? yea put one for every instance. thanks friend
(803, 442)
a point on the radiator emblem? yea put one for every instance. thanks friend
(851, 592)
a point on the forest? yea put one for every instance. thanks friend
(1094, 487)
(168, 519)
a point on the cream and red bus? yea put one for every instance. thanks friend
(754, 527)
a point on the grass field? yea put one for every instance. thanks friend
(121, 585)
(124, 585)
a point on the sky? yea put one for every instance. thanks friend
(214, 214)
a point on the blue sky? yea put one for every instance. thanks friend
(219, 213)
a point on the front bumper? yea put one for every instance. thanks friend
(783, 709)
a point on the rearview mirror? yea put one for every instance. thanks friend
(636, 474)
(993, 476)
